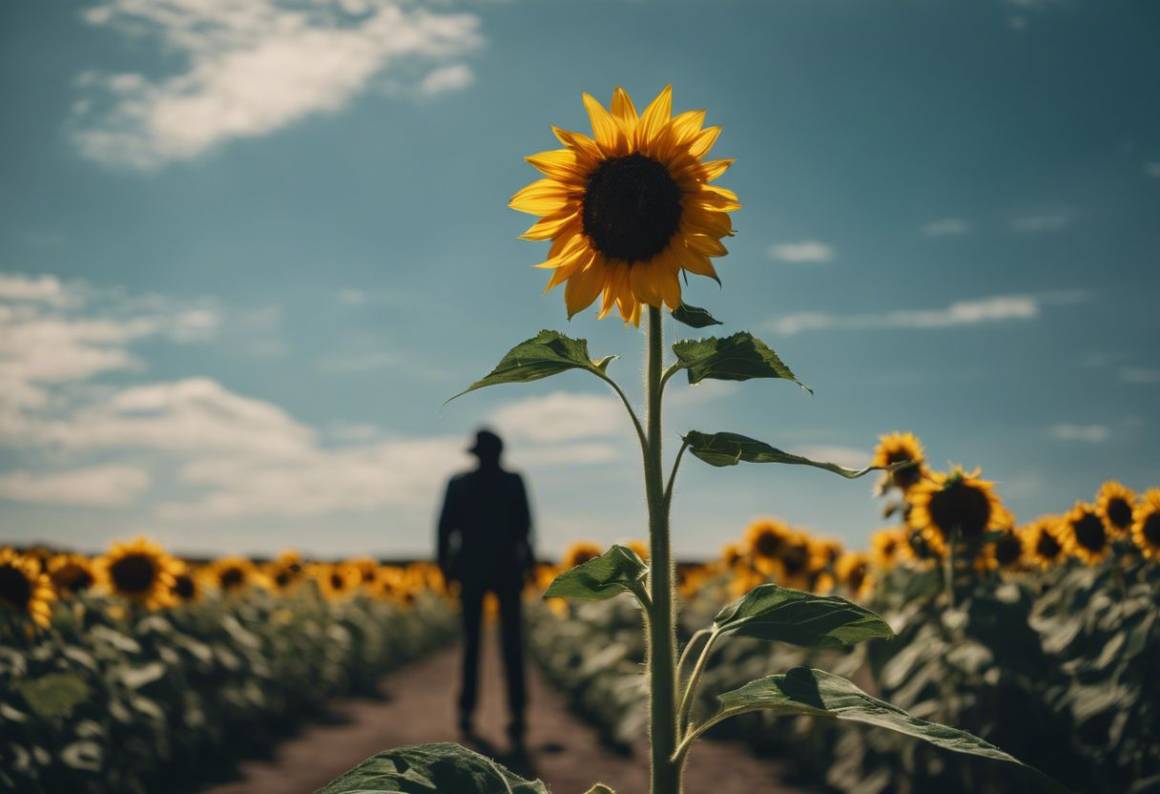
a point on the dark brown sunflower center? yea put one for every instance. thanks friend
(889, 549)
(184, 587)
(283, 577)
(581, 557)
(1090, 532)
(961, 507)
(15, 589)
(1008, 549)
(1120, 512)
(1047, 547)
(767, 544)
(337, 581)
(133, 574)
(906, 476)
(1152, 530)
(232, 578)
(632, 207)
(72, 578)
(795, 559)
(856, 576)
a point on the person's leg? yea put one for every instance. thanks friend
(471, 600)
(511, 615)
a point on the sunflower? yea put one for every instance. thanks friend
(1043, 541)
(580, 552)
(387, 584)
(71, 574)
(640, 547)
(186, 584)
(336, 582)
(765, 539)
(1146, 524)
(630, 208)
(1115, 504)
(24, 589)
(231, 575)
(1085, 535)
(958, 503)
(732, 554)
(824, 552)
(888, 547)
(366, 567)
(796, 560)
(1006, 551)
(896, 448)
(139, 570)
(853, 571)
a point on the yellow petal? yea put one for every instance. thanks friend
(622, 106)
(644, 283)
(582, 288)
(604, 127)
(686, 125)
(655, 117)
(703, 244)
(578, 141)
(571, 249)
(566, 271)
(670, 287)
(549, 226)
(698, 220)
(561, 164)
(715, 198)
(542, 197)
(704, 142)
(700, 265)
(712, 169)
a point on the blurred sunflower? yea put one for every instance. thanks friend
(824, 552)
(1085, 536)
(336, 582)
(579, 553)
(139, 570)
(898, 448)
(796, 559)
(1043, 541)
(888, 546)
(1146, 524)
(72, 574)
(630, 208)
(765, 539)
(366, 567)
(732, 554)
(24, 589)
(387, 584)
(640, 547)
(956, 503)
(1115, 504)
(853, 571)
(231, 575)
(186, 584)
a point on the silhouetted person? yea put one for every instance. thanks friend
(485, 545)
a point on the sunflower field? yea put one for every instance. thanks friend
(130, 671)
(1042, 638)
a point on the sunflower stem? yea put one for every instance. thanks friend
(662, 645)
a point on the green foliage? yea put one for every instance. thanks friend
(53, 696)
(729, 449)
(694, 317)
(771, 612)
(438, 768)
(616, 571)
(547, 353)
(741, 356)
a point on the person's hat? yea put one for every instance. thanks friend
(487, 444)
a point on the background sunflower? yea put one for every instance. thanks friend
(955, 503)
(1146, 524)
(24, 590)
(1115, 504)
(139, 570)
(1085, 536)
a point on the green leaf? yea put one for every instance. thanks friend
(729, 449)
(770, 612)
(616, 571)
(819, 694)
(548, 353)
(54, 695)
(738, 357)
(694, 317)
(438, 768)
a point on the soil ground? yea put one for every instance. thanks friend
(418, 706)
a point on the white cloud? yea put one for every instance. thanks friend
(253, 68)
(1139, 375)
(1152, 169)
(946, 227)
(1090, 434)
(850, 457)
(454, 77)
(1000, 308)
(806, 251)
(96, 486)
(562, 416)
(43, 289)
(1038, 224)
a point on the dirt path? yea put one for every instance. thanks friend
(564, 752)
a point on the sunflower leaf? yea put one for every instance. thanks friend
(616, 571)
(741, 356)
(435, 768)
(693, 316)
(770, 612)
(803, 691)
(729, 449)
(547, 353)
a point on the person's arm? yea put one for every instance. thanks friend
(523, 525)
(447, 525)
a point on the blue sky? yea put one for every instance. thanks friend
(247, 250)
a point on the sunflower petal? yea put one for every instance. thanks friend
(583, 287)
(561, 164)
(622, 106)
(655, 117)
(542, 197)
(712, 169)
(686, 125)
(549, 226)
(703, 244)
(699, 220)
(607, 131)
(704, 142)
(578, 141)
(700, 265)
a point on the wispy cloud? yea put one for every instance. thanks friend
(252, 68)
(1089, 434)
(996, 309)
(1041, 223)
(95, 486)
(1152, 169)
(561, 416)
(804, 252)
(946, 227)
(1139, 375)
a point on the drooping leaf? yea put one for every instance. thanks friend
(741, 356)
(54, 695)
(694, 316)
(436, 768)
(547, 353)
(816, 693)
(616, 571)
(729, 449)
(771, 612)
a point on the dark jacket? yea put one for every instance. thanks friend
(485, 529)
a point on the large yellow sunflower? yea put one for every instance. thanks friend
(631, 207)
(139, 570)
(71, 574)
(1043, 540)
(1085, 535)
(24, 589)
(898, 448)
(1115, 504)
(1146, 524)
(956, 503)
